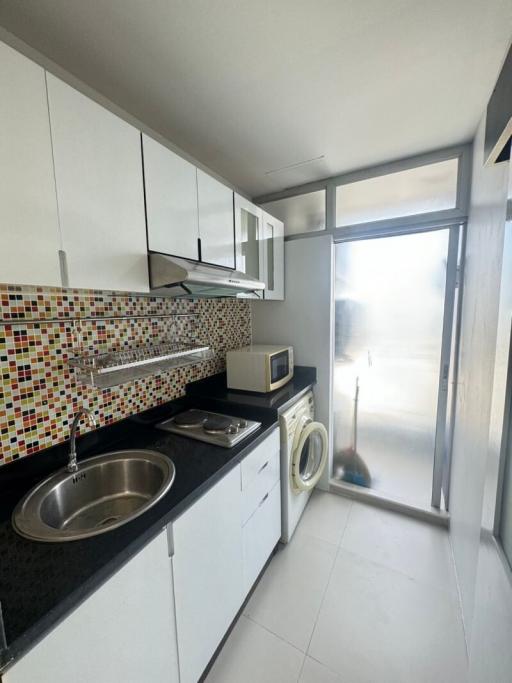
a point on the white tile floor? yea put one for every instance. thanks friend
(360, 595)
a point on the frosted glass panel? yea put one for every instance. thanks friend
(416, 190)
(304, 213)
(389, 305)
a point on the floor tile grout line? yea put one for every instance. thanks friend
(349, 515)
(337, 549)
(459, 599)
(301, 668)
(447, 592)
(453, 594)
(328, 582)
(310, 534)
(272, 633)
(330, 669)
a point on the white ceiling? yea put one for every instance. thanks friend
(249, 86)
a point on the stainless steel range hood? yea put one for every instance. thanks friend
(180, 277)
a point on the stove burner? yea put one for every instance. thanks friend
(217, 424)
(190, 419)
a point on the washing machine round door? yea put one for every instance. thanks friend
(309, 455)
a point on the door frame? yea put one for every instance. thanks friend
(442, 454)
(450, 338)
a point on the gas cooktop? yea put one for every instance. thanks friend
(214, 428)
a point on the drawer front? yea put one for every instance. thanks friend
(253, 463)
(268, 475)
(260, 535)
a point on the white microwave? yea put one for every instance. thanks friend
(259, 367)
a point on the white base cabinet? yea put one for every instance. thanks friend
(261, 534)
(207, 567)
(124, 632)
(261, 507)
(162, 616)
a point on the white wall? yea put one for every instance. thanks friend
(304, 319)
(490, 651)
(475, 382)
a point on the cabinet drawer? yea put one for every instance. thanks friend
(252, 465)
(260, 535)
(263, 482)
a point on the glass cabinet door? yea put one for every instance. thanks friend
(249, 247)
(273, 252)
(248, 227)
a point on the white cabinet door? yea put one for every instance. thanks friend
(124, 632)
(261, 535)
(171, 201)
(207, 566)
(248, 240)
(273, 257)
(216, 231)
(98, 170)
(29, 229)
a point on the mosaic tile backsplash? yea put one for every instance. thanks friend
(39, 394)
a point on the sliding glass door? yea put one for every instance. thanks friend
(394, 309)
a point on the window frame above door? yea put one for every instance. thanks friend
(407, 223)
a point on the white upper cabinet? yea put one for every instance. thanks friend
(98, 173)
(273, 257)
(216, 232)
(29, 229)
(171, 201)
(248, 240)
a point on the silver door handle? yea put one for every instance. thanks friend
(170, 540)
(263, 467)
(263, 500)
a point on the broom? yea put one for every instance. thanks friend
(349, 465)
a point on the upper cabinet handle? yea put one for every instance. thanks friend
(263, 467)
(63, 264)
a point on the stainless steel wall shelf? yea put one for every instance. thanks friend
(96, 318)
(109, 369)
(186, 346)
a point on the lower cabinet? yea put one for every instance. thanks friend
(260, 535)
(124, 632)
(207, 566)
(162, 616)
(261, 507)
(221, 544)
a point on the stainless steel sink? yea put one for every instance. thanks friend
(107, 491)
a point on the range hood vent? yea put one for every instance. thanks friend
(179, 277)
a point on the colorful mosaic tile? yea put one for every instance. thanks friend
(38, 392)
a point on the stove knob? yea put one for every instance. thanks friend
(242, 424)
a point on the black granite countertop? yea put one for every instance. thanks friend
(41, 583)
(215, 388)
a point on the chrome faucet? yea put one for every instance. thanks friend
(72, 464)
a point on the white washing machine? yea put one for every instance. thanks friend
(304, 446)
